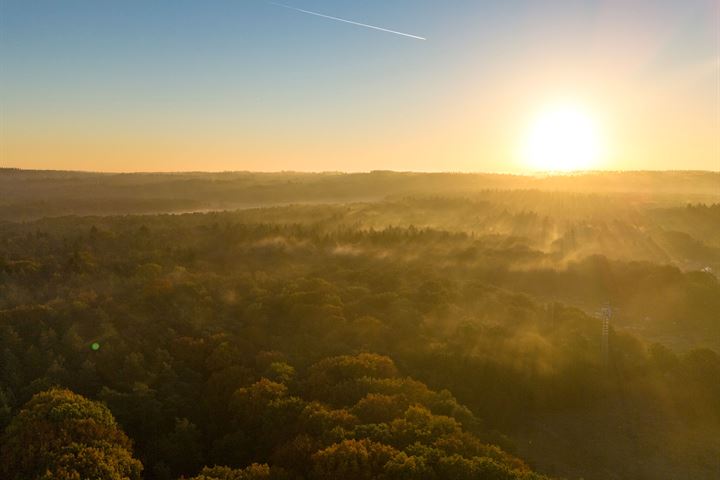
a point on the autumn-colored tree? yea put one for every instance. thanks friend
(320, 420)
(252, 400)
(253, 472)
(469, 446)
(333, 379)
(408, 467)
(419, 425)
(378, 408)
(61, 435)
(352, 460)
(102, 461)
(460, 468)
(248, 404)
(346, 367)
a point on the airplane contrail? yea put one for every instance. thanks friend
(347, 21)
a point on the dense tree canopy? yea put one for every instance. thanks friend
(418, 337)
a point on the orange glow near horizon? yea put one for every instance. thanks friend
(642, 79)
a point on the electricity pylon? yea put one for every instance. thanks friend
(605, 315)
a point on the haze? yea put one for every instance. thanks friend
(359, 240)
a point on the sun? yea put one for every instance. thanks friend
(562, 138)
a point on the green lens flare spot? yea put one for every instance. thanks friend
(95, 346)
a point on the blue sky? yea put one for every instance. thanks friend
(221, 84)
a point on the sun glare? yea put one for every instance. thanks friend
(561, 139)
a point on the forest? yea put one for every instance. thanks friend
(359, 326)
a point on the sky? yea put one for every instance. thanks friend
(188, 85)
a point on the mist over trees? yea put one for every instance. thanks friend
(384, 325)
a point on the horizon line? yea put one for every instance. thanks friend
(529, 173)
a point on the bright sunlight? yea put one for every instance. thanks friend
(561, 139)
